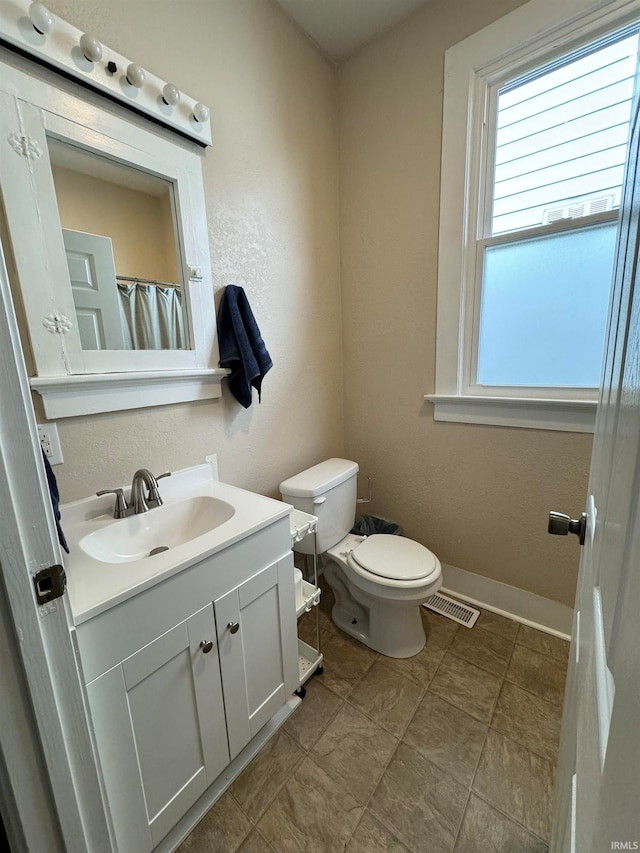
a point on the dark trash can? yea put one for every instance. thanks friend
(366, 525)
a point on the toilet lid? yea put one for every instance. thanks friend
(394, 557)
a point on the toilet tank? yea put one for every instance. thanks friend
(329, 492)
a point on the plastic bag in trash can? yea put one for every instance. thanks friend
(365, 525)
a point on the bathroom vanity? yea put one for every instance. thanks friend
(186, 654)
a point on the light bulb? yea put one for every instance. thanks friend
(200, 112)
(170, 95)
(135, 75)
(91, 47)
(41, 18)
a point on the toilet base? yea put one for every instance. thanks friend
(392, 628)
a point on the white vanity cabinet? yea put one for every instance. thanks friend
(159, 723)
(182, 676)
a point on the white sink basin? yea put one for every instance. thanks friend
(158, 530)
(111, 559)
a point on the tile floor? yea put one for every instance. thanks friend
(451, 751)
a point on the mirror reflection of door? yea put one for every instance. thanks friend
(93, 281)
(124, 257)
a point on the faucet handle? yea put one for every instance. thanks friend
(121, 508)
(154, 498)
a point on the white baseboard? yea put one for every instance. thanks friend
(518, 604)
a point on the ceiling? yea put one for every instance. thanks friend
(340, 27)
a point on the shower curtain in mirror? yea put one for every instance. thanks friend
(152, 316)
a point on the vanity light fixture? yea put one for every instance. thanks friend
(135, 75)
(25, 25)
(41, 18)
(201, 113)
(170, 95)
(91, 47)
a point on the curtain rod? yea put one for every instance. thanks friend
(137, 280)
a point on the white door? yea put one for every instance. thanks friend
(92, 272)
(47, 770)
(597, 804)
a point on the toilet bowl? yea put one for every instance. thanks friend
(379, 581)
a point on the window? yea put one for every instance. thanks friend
(532, 172)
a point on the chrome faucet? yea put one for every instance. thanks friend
(139, 502)
(143, 477)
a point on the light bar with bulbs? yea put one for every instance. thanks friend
(32, 29)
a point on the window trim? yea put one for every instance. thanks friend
(472, 70)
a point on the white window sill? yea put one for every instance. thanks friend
(562, 415)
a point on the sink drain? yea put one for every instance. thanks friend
(158, 550)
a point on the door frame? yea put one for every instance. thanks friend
(47, 762)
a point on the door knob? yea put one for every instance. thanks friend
(561, 525)
(206, 646)
(234, 627)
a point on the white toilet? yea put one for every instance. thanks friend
(379, 581)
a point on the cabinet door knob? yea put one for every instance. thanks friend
(234, 627)
(206, 646)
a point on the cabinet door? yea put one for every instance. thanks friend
(258, 658)
(160, 729)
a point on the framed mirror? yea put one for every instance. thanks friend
(122, 247)
(107, 223)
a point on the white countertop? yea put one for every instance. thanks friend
(95, 585)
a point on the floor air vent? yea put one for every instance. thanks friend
(446, 606)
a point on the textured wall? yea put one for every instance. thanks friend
(477, 495)
(272, 207)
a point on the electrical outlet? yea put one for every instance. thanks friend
(50, 443)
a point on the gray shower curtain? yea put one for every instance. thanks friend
(152, 316)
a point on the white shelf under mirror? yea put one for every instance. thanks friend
(71, 396)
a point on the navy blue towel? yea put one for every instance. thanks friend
(55, 501)
(241, 346)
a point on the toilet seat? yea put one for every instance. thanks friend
(393, 559)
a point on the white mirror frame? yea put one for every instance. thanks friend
(70, 380)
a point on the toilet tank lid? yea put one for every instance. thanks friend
(319, 479)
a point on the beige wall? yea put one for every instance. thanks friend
(272, 207)
(139, 224)
(477, 495)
